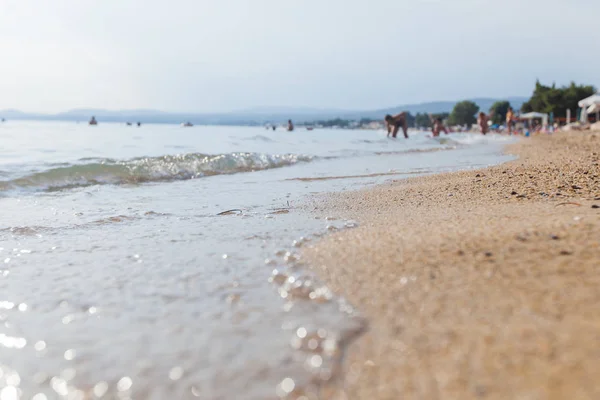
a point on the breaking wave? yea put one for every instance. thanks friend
(149, 169)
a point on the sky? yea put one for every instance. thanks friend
(220, 55)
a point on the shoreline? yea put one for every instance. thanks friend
(476, 284)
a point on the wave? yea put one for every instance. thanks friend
(94, 171)
(260, 138)
(478, 139)
(446, 147)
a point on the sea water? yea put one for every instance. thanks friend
(161, 262)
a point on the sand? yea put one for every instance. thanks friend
(477, 285)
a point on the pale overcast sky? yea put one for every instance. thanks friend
(216, 55)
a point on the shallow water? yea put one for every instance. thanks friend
(118, 278)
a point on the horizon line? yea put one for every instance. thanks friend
(255, 108)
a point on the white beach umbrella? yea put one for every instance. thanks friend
(593, 108)
(533, 115)
(585, 103)
(589, 101)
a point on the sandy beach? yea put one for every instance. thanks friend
(476, 284)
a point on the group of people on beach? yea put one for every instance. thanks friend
(395, 122)
(484, 124)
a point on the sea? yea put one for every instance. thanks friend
(163, 261)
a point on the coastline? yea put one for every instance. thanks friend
(476, 284)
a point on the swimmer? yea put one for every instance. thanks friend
(290, 125)
(393, 124)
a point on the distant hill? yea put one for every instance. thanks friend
(16, 114)
(100, 113)
(252, 116)
(436, 107)
(288, 110)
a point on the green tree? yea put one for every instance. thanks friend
(499, 110)
(410, 119)
(550, 99)
(422, 121)
(342, 123)
(464, 113)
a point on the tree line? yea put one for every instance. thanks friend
(545, 99)
(550, 99)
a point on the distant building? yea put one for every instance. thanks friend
(374, 125)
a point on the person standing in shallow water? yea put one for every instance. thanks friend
(482, 120)
(290, 125)
(437, 126)
(394, 123)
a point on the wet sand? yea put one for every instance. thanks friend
(477, 285)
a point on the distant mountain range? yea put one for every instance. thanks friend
(252, 116)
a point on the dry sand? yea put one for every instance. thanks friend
(477, 285)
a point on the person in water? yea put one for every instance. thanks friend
(290, 125)
(394, 123)
(437, 126)
(93, 121)
(482, 121)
